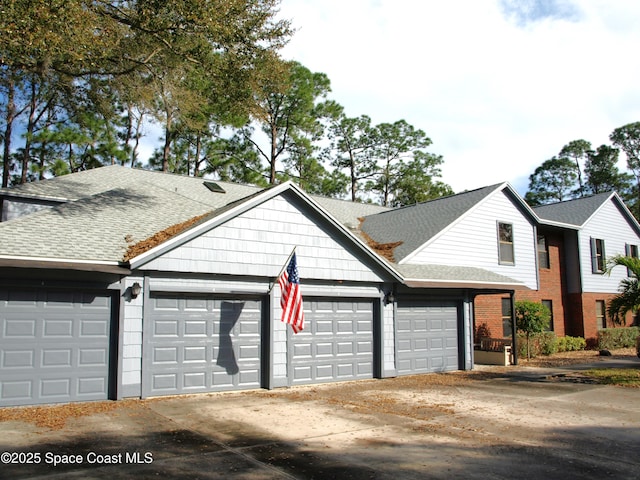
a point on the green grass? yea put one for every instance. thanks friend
(623, 377)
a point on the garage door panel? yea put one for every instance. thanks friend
(337, 343)
(324, 326)
(196, 380)
(165, 328)
(201, 344)
(91, 386)
(195, 328)
(195, 354)
(426, 337)
(56, 358)
(93, 328)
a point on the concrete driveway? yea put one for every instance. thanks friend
(491, 423)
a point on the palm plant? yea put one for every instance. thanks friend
(628, 298)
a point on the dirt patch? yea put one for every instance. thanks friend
(54, 417)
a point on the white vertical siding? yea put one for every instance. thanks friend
(473, 241)
(258, 243)
(132, 341)
(279, 342)
(467, 312)
(610, 225)
(388, 341)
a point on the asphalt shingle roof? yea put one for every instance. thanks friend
(464, 276)
(414, 225)
(98, 180)
(572, 212)
(97, 228)
(106, 210)
(103, 212)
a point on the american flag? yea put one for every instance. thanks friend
(291, 300)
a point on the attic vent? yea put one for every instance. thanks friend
(214, 187)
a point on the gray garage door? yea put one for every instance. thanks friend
(197, 344)
(426, 337)
(54, 346)
(336, 344)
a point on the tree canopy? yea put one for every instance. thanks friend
(628, 297)
(80, 81)
(579, 170)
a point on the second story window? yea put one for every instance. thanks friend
(631, 251)
(505, 244)
(597, 255)
(543, 252)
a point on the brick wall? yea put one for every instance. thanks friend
(488, 308)
(590, 322)
(488, 315)
(552, 284)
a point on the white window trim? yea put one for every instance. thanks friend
(513, 249)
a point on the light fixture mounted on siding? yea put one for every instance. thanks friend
(136, 288)
(389, 298)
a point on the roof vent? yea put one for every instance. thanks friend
(214, 187)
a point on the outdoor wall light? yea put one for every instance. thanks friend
(389, 298)
(136, 288)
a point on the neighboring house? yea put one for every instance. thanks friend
(119, 282)
(605, 227)
(574, 240)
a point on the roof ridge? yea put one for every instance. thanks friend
(569, 200)
(446, 197)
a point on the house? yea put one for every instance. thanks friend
(574, 238)
(119, 282)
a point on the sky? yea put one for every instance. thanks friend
(499, 86)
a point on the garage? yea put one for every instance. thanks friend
(427, 336)
(336, 344)
(195, 343)
(54, 346)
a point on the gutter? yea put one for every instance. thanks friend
(58, 264)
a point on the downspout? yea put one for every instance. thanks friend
(514, 336)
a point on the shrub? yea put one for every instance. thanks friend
(532, 318)
(571, 344)
(545, 343)
(612, 338)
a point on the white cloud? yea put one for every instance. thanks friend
(496, 96)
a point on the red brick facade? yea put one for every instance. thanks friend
(573, 314)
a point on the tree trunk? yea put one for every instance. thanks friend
(274, 154)
(196, 165)
(30, 128)
(10, 117)
(354, 180)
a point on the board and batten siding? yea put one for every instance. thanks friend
(473, 241)
(259, 241)
(608, 224)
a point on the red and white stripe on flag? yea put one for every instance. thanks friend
(291, 300)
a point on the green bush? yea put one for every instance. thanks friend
(545, 343)
(612, 338)
(571, 344)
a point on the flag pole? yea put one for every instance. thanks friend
(286, 264)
